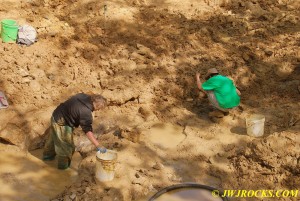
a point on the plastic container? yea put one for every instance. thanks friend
(9, 30)
(255, 125)
(189, 191)
(105, 165)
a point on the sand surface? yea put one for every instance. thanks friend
(143, 55)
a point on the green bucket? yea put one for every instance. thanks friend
(9, 30)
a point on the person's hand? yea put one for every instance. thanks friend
(102, 150)
(197, 75)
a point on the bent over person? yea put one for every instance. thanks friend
(76, 111)
(221, 92)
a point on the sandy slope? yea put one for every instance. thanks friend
(142, 55)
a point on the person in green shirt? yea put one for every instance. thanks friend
(221, 92)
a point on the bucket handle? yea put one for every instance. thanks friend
(8, 36)
(251, 123)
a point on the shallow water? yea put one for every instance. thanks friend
(166, 135)
(25, 177)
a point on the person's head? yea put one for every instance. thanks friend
(99, 102)
(211, 72)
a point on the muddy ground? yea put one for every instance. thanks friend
(143, 55)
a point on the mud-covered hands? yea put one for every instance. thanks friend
(101, 149)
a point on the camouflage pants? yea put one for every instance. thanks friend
(60, 142)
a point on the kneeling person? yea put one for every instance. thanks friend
(221, 92)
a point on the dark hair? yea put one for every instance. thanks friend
(211, 75)
(98, 100)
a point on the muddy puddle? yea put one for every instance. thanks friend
(25, 177)
(166, 135)
(188, 194)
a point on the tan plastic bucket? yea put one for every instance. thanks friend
(255, 125)
(105, 165)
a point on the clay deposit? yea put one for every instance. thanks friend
(142, 55)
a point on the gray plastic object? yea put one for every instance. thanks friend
(186, 185)
(26, 35)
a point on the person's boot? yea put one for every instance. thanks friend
(216, 113)
(63, 162)
(216, 116)
(216, 119)
(48, 155)
(226, 113)
(48, 158)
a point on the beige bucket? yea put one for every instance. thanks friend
(105, 165)
(255, 125)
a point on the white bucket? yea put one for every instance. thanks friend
(105, 165)
(255, 125)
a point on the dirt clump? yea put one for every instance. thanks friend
(143, 56)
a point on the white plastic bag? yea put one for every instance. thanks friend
(26, 35)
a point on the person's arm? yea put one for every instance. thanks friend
(86, 121)
(91, 137)
(199, 83)
(237, 90)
